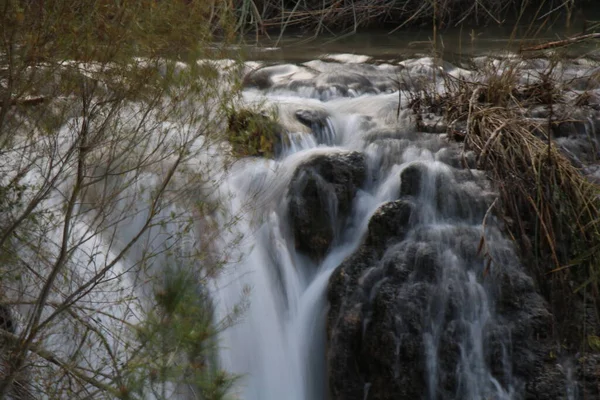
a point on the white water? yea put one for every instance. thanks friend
(279, 345)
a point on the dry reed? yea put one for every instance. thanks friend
(333, 15)
(549, 208)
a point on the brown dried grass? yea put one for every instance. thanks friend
(549, 208)
(335, 15)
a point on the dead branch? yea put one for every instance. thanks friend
(64, 365)
(562, 43)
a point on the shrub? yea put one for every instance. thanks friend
(106, 114)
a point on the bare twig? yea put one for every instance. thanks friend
(562, 43)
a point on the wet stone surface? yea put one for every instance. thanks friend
(320, 196)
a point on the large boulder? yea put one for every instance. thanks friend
(320, 198)
(427, 310)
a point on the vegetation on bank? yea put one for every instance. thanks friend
(107, 112)
(547, 205)
(104, 114)
(330, 16)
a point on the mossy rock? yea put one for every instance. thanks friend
(253, 134)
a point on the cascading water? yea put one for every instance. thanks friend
(279, 344)
(365, 262)
(279, 347)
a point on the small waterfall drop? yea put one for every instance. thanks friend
(363, 261)
(279, 345)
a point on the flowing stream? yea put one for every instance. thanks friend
(368, 237)
(279, 345)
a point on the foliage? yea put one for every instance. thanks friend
(108, 110)
(178, 340)
(252, 133)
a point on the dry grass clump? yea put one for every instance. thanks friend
(551, 210)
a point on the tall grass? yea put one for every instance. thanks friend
(338, 15)
(548, 207)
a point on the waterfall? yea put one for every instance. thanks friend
(279, 345)
(365, 256)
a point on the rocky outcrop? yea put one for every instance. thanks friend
(451, 193)
(427, 310)
(431, 306)
(320, 198)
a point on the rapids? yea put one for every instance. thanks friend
(353, 259)
(280, 346)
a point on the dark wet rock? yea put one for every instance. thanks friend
(587, 374)
(318, 122)
(582, 374)
(411, 179)
(469, 160)
(456, 192)
(389, 222)
(391, 145)
(260, 79)
(357, 76)
(311, 117)
(326, 80)
(413, 288)
(328, 92)
(298, 85)
(405, 134)
(320, 197)
(457, 157)
(548, 384)
(268, 76)
(342, 78)
(459, 197)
